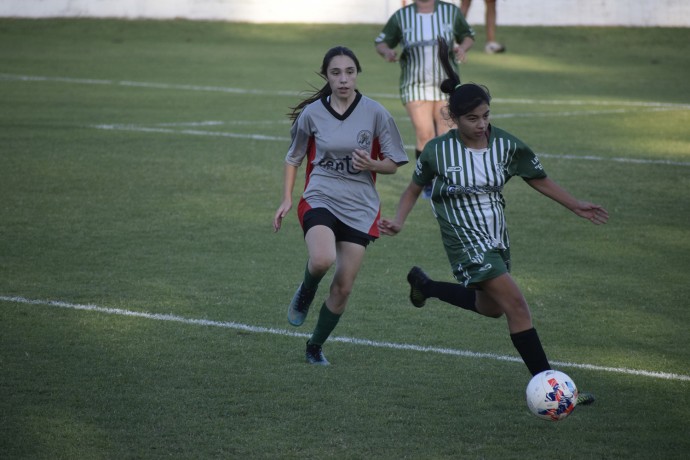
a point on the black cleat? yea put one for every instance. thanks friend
(314, 355)
(299, 307)
(417, 278)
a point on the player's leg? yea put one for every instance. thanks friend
(349, 261)
(442, 124)
(502, 295)
(320, 241)
(422, 287)
(465, 7)
(421, 114)
(492, 46)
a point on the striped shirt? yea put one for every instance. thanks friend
(421, 74)
(326, 139)
(467, 198)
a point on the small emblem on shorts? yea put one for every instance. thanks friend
(485, 268)
(478, 259)
(364, 139)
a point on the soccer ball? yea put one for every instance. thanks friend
(551, 395)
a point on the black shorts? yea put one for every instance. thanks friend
(342, 232)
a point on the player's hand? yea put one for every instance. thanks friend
(592, 212)
(362, 161)
(460, 53)
(282, 211)
(389, 227)
(391, 56)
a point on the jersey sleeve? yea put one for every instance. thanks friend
(525, 163)
(391, 34)
(423, 172)
(390, 140)
(462, 29)
(301, 133)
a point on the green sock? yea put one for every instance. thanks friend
(311, 282)
(324, 326)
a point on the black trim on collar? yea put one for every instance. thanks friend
(324, 101)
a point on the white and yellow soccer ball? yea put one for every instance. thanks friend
(551, 395)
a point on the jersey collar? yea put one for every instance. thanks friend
(327, 105)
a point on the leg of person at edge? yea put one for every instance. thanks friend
(492, 46)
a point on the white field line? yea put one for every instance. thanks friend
(654, 106)
(223, 89)
(349, 340)
(261, 137)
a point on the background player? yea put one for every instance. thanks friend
(415, 27)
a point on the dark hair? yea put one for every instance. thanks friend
(326, 89)
(463, 98)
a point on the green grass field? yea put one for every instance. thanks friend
(143, 293)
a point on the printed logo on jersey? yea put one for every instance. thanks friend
(474, 189)
(537, 164)
(364, 139)
(454, 169)
(418, 168)
(344, 165)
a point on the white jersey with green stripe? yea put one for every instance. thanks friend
(421, 74)
(467, 188)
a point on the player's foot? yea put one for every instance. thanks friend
(417, 278)
(314, 355)
(584, 399)
(494, 47)
(299, 307)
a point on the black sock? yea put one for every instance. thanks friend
(417, 153)
(527, 343)
(452, 293)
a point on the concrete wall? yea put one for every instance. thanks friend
(649, 13)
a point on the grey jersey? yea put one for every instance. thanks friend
(327, 140)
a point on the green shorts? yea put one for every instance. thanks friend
(472, 271)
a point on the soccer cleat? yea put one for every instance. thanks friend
(494, 47)
(417, 278)
(314, 355)
(299, 307)
(584, 399)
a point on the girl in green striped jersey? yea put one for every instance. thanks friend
(468, 168)
(415, 28)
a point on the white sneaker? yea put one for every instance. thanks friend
(494, 47)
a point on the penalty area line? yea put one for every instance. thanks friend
(349, 340)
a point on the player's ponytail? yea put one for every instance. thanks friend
(326, 89)
(463, 98)
(448, 85)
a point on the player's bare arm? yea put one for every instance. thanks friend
(590, 211)
(407, 201)
(286, 205)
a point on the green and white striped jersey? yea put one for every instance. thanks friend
(467, 198)
(421, 74)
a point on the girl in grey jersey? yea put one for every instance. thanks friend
(468, 168)
(345, 139)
